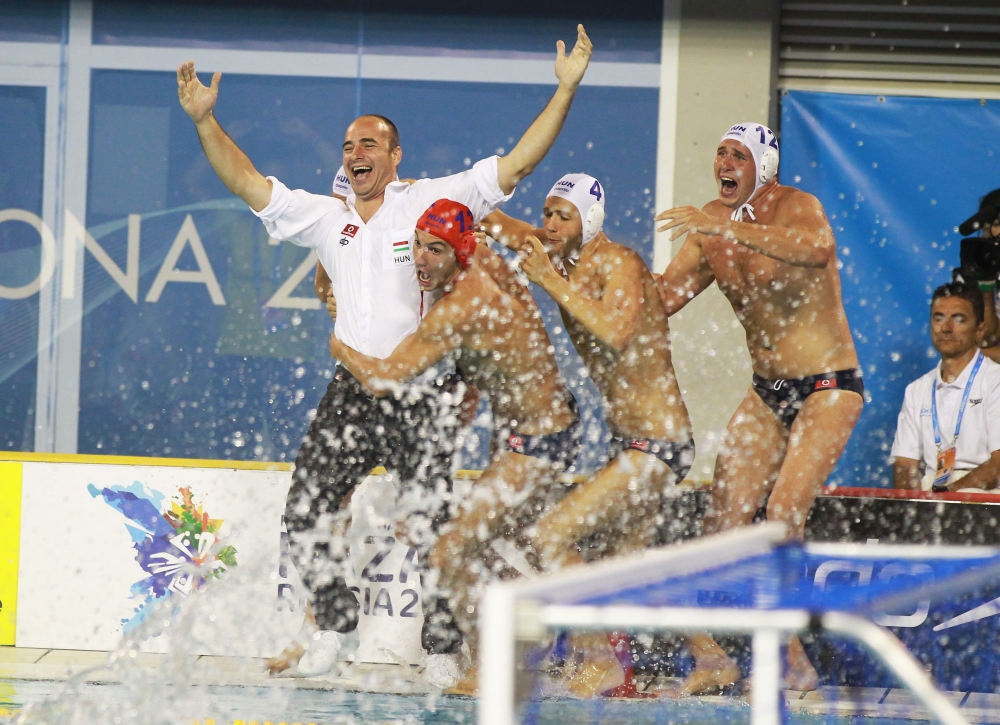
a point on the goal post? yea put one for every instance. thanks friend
(609, 595)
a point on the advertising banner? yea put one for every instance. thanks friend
(896, 176)
(105, 548)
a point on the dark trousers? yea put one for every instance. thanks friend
(413, 435)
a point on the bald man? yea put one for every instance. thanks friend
(364, 244)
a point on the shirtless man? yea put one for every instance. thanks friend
(613, 314)
(501, 346)
(771, 249)
(363, 244)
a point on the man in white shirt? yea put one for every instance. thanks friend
(950, 420)
(365, 245)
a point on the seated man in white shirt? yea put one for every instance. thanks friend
(365, 245)
(950, 420)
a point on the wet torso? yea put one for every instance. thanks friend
(641, 396)
(793, 316)
(507, 354)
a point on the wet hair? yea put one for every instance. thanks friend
(393, 131)
(966, 292)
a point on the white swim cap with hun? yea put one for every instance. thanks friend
(587, 195)
(341, 184)
(764, 146)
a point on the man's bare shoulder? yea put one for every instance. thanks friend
(717, 209)
(622, 256)
(473, 292)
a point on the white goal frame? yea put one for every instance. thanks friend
(516, 611)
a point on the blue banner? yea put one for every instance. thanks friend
(896, 177)
(219, 349)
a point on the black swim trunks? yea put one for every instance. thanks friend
(562, 447)
(678, 456)
(785, 397)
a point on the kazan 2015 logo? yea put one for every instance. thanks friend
(177, 544)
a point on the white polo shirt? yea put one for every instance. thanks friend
(980, 434)
(371, 265)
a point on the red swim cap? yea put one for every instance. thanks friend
(451, 222)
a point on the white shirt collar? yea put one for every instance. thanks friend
(392, 189)
(963, 377)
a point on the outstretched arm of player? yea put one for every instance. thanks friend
(614, 317)
(686, 277)
(322, 285)
(229, 162)
(508, 231)
(801, 235)
(432, 340)
(541, 134)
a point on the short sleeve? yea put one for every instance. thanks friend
(907, 443)
(477, 188)
(299, 217)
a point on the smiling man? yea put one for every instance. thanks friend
(950, 420)
(363, 244)
(773, 254)
(496, 336)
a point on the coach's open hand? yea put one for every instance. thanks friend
(570, 68)
(196, 100)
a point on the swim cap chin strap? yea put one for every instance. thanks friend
(764, 146)
(587, 195)
(451, 222)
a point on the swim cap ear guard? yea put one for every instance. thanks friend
(593, 223)
(587, 195)
(768, 165)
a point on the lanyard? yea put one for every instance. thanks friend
(961, 410)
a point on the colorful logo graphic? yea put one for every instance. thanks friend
(178, 544)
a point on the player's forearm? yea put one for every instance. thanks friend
(507, 230)
(793, 246)
(232, 165)
(608, 324)
(321, 283)
(986, 475)
(536, 141)
(992, 334)
(906, 474)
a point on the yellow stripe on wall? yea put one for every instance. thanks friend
(142, 461)
(10, 547)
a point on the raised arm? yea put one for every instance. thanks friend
(508, 231)
(231, 164)
(432, 340)
(800, 236)
(541, 134)
(686, 277)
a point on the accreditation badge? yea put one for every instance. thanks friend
(945, 466)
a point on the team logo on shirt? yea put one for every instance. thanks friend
(398, 249)
(975, 401)
(349, 231)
